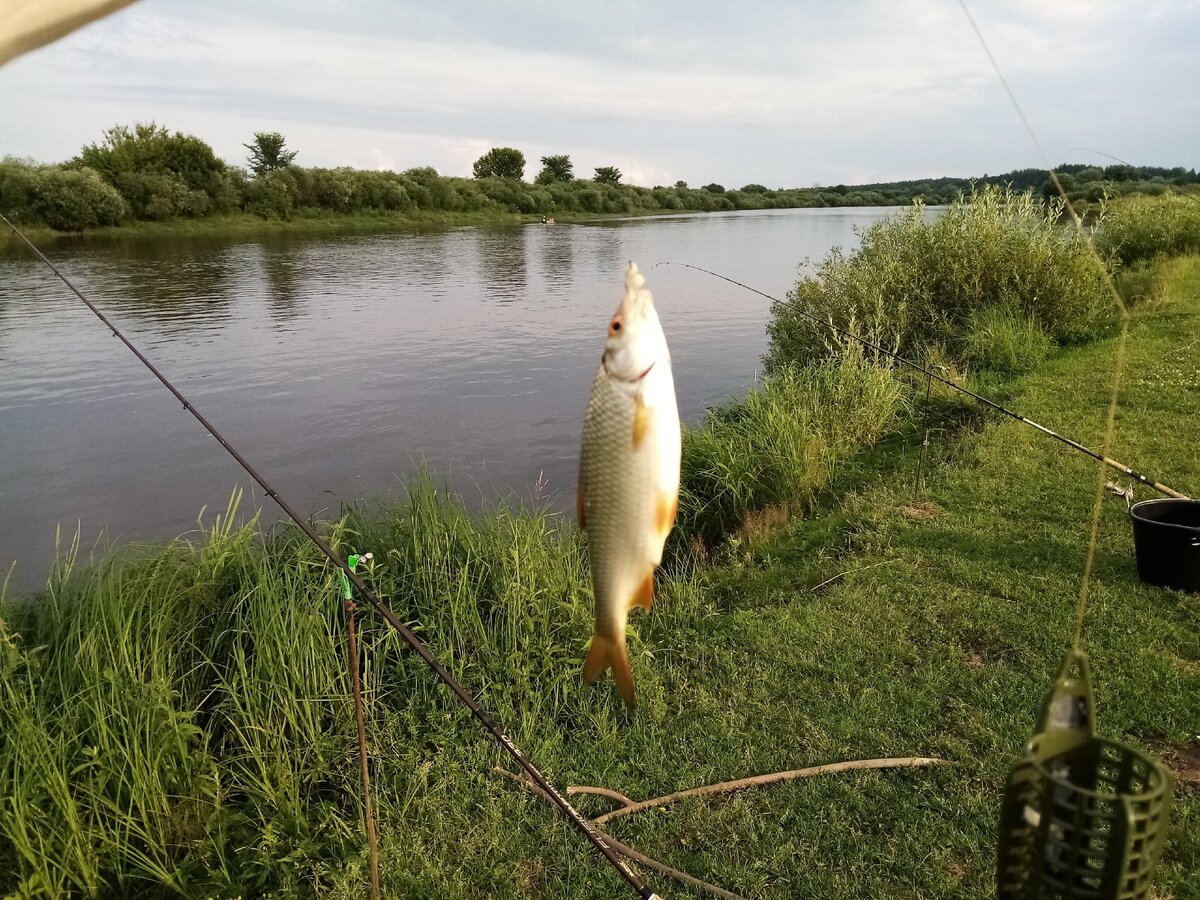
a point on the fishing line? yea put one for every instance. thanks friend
(1103, 457)
(416, 644)
(1119, 362)
(1058, 834)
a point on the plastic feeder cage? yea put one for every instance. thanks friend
(1083, 816)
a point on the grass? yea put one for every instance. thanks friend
(182, 726)
(777, 448)
(305, 223)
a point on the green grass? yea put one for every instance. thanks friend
(771, 452)
(183, 726)
(304, 223)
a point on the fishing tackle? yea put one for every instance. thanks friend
(415, 643)
(928, 372)
(1082, 816)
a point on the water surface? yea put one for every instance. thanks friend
(333, 362)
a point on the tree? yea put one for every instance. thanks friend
(500, 162)
(607, 175)
(556, 168)
(151, 149)
(715, 188)
(268, 154)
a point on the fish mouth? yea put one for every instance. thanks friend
(632, 380)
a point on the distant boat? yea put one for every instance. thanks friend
(547, 220)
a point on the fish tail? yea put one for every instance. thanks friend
(606, 651)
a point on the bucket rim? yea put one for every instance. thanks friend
(1190, 529)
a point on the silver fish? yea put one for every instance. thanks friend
(628, 474)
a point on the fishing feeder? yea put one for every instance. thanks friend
(1083, 816)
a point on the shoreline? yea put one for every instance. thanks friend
(247, 224)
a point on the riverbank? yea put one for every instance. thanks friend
(188, 720)
(308, 222)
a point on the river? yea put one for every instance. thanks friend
(335, 362)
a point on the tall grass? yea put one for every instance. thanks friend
(914, 284)
(779, 445)
(1003, 341)
(179, 720)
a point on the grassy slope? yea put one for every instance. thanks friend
(945, 647)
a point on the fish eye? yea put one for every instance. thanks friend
(614, 326)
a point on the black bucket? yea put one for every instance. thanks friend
(1166, 537)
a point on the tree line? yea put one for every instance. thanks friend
(147, 173)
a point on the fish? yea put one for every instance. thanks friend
(628, 492)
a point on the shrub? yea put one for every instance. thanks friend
(1143, 228)
(150, 148)
(912, 282)
(159, 196)
(18, 180)
(273, 195)
(74, 199)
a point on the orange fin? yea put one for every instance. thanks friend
(641, 421)
(607, 652)
(644, 595)
(665, 512)
(580, 507)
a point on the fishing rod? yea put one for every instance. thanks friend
(418, 646)
(1075, 445)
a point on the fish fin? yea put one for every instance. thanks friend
(580, 507)
(605, 652)
(644, 595)
(641, 421)
(668, 506)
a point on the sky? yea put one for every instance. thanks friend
(786, 93)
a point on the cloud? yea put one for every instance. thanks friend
(775, 92)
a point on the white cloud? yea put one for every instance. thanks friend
(780, 94)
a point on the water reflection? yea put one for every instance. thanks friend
(557, 253)
(502, 264)
(174, 287)
(423, 263)
(282, 265)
